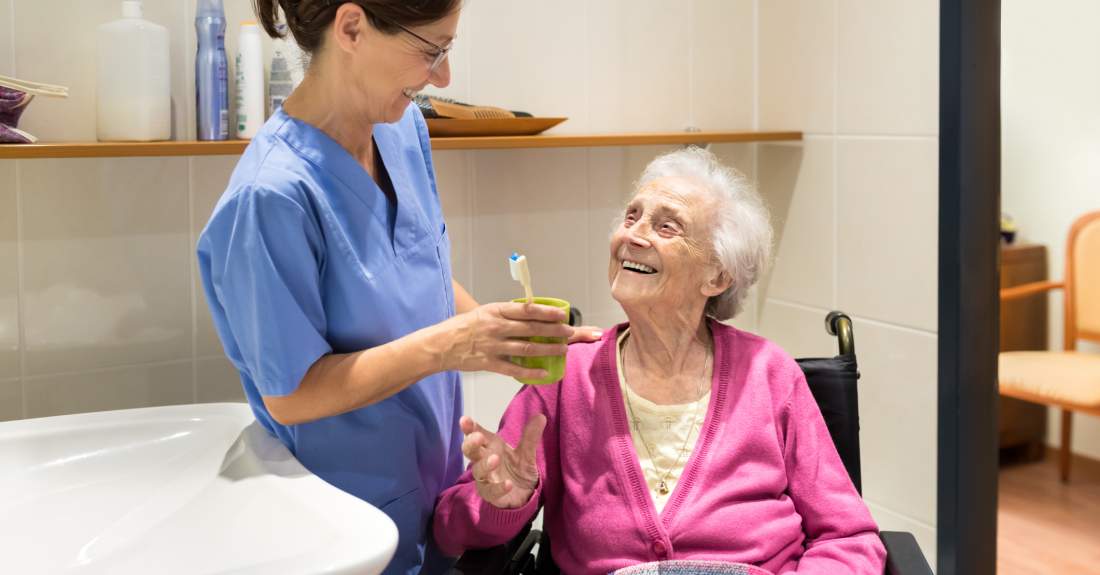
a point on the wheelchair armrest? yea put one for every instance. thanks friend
(512, 558)
(903, 555)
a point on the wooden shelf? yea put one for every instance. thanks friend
(119, 149)
(235, 147)
(598, 140)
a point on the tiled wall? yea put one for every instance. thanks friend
(856, 209)
(1049, 145)
(99, 300)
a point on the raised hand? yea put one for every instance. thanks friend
(505, 476)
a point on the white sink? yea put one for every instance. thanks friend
(187, 489)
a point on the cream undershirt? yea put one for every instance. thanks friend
(667, 428)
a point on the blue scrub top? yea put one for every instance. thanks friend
(304, 255)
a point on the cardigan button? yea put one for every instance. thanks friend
(659, 549)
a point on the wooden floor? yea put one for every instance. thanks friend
(1045, 526)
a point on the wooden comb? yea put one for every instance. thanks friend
(464, 112)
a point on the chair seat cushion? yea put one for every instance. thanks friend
(1067, 377)
(690, 567)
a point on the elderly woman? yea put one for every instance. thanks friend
(675, 436)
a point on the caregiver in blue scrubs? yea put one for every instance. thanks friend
(326, 265)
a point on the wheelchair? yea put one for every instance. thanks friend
(832, 382)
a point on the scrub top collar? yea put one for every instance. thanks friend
(329, 156)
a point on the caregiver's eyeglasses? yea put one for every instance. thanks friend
(438, 55)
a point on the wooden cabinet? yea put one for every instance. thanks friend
(1023, 327)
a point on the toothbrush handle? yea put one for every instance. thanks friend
(527, 284)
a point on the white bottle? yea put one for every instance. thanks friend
(133, 87)
(287, 69)
(250, 81)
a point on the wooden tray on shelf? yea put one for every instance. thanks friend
(447, 127)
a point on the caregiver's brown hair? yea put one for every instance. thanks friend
(307, 20)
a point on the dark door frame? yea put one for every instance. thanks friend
(969, 210)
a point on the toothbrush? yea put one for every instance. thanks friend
(520, 273)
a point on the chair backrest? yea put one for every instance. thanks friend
(832, 381)
(1082, 307)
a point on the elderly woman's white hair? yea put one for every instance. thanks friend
(742, 236)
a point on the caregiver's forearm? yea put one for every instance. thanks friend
(464, 302)
(339, 383)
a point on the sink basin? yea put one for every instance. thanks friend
(181, 489)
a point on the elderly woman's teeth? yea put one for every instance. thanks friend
(637, 267)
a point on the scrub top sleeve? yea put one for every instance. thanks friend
(266, 276)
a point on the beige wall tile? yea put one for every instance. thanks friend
(217, 380)
(796, 181)
(888, 67)
(898, 429)
(796, 69)
(886, 237)
(107, 257)
(40, 56)
(722, 88)
(530, 55)
(739, 157)
(9, 274)
(124, 388)
(452, 177)
(7, 39)
(637, 77)
(799, 330)
(11, 400)
(530, 201)
(181, 29)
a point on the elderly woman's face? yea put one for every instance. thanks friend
(661, 252)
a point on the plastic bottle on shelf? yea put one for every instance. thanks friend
(250, 81)
(211, 72)
(133, 87)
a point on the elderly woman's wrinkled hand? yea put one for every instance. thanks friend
(505, 477)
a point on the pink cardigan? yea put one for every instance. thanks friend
(764, 485)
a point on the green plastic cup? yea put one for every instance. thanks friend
(553, 364)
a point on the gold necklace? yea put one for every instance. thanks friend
(662, 482)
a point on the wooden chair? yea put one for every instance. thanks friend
(1068, 379)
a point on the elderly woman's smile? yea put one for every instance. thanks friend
(658, 251)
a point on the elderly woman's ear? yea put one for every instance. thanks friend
(719, 282)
